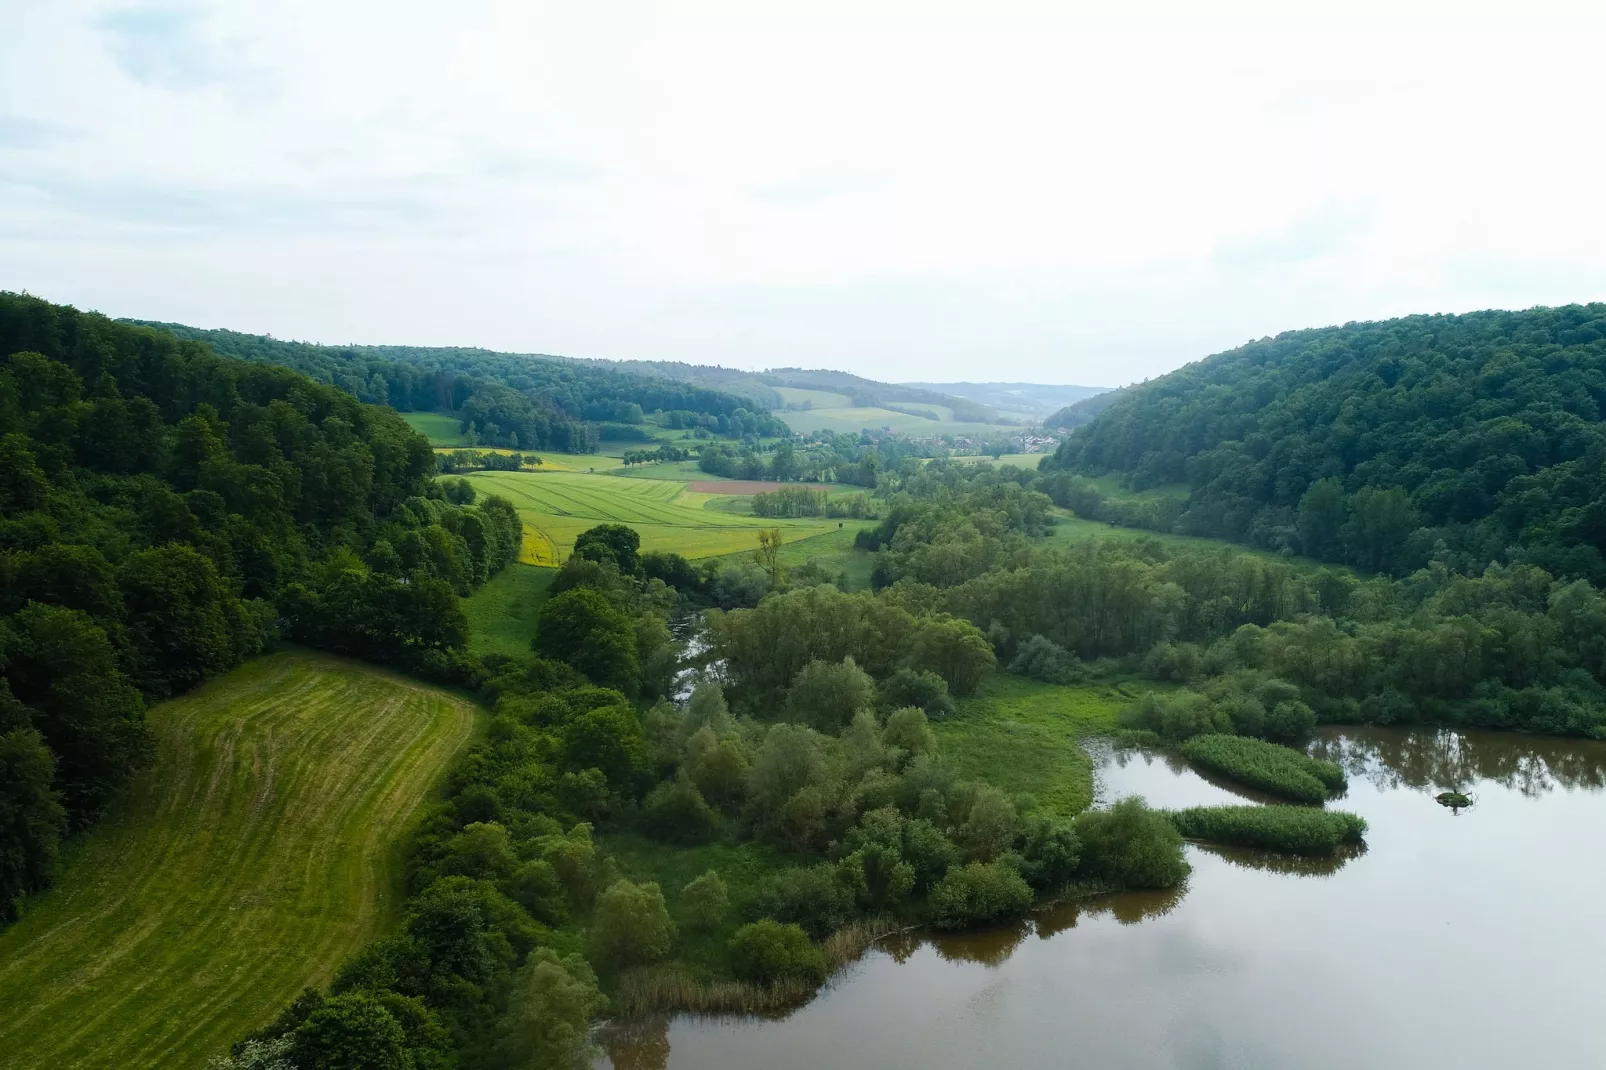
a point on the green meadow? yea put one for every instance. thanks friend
(258, 850)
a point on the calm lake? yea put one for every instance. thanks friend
(1457, 941)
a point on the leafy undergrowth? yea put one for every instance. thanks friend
(1273, 768)
(501, 614)
(1293, 829)
(253, 856)
(742, 866)
(1020, 735)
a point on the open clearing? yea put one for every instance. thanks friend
(253, 856)
(1024, 736)
(441, 428)
(501, 614)
(556, 507)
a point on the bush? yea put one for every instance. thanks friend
(675, 812)
(767, 951)
(827, 695)
(812, 897)
(1269, 767)
(909, 687)
(704, 902)
(908, 730)
(631, 925)
(978, 893)
(1043, 659)
(353, 1030)
(1050, 852)
(1131, 846)
(1294, 829)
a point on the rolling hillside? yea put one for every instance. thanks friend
(1022, 401)
(251, 858)
(1384, 445)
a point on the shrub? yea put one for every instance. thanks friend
(631, 925)
(908, 730)
(1269, 767)
(549, 1015)
(813, 897)
(353, 1030)
(1294, 829)
(1131, 846)
(675, 812)
(911, 687)
(827, 695)
(979, 893)
(1043, 659)
(767, 951)
(1050, 852)
(704, 902)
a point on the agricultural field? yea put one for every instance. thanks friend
(820, 399)
(442, 429)
(247, 862)
(853, 420)
(1024, 736)
(556, 507)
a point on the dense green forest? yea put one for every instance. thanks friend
(510, 400)
(1458, 439)
(1266, 647)
(165, 513)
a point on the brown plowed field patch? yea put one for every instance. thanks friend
(744, 486)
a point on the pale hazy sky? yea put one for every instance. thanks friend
(923, 191)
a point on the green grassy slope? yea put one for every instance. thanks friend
(247, 862)
(442, 429)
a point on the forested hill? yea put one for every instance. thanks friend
(515, 400)
(164, 513)
(1388, 444)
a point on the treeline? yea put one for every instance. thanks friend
(1384, 445)
(164, 513)
(791, 501)
(511, 400)
(1507, 646)
(521, 926)
(483, 461)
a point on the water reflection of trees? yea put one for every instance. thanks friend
(1290, 865)
(642, 1044)
(1451, 760)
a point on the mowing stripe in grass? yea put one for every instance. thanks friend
(254, 855)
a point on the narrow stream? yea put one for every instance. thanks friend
(1470, 940)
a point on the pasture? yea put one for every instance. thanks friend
(253, 856)
(441, 428)
(853, 420)
(556, 507)
(819, 399)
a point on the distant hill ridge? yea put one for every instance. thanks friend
(1388, 444)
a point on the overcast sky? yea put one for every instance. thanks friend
(907, 193)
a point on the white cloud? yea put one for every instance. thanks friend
(906, 191)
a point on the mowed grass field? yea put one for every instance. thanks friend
(254, 855)
(556, 507)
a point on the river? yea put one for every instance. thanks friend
(1463, 940)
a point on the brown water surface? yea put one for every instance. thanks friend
(1463, 940)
